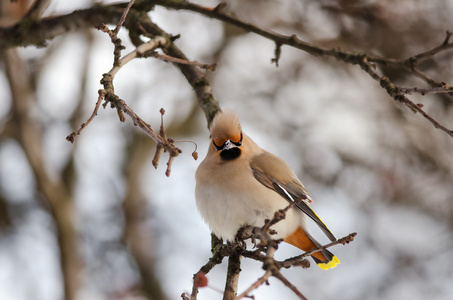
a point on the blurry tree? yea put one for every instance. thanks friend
(393, 168)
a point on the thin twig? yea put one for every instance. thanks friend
(207, 67)
(396, 94)
(423, 76)
(444, 89)
(219, 251)
(116, 41)
(270, 265)
(430, 53)
(195, 77)
(117, 65)
(152, 44)
(123, 17)
(291, 286)
(160, 147)
(263, 279)
(71, 137)
(139, 52)
(184, 296)
(344, 240)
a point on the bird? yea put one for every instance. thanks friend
(240, 184)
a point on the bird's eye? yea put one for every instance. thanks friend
(218, 147)
(239, 143)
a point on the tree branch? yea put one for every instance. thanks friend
(191, 72)
(232, 281)
(263, 279)
(365, 61)
(296, 259)
(29, 31)
(108, 94)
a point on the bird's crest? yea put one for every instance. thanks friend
(226, 126)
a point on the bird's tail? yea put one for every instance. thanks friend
(304, 241)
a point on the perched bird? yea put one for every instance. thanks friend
(239, 184)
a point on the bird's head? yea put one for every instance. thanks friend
(226, 134)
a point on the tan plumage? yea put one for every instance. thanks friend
(238, 184)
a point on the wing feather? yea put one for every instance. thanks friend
(289, 188)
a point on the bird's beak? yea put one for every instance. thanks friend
(228, 145)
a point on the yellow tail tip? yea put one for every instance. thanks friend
(331, 264)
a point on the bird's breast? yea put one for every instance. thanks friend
(229, 197)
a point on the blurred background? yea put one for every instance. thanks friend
(95, 220)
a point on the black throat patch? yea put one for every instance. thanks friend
(230, 154)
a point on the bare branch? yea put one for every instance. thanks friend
(108, 84)
(163, 142)
(416, 59)
(365, 61)
(344, 240)
(193, 75)
(123, 17)
(138, 52)
(71, 137)
(444, 89)
(277, 52)
(263, 279)
(232, 280)
(270, 265)
(219, 251)
(291, 286)
(207, 67)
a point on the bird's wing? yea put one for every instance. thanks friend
(274, 173)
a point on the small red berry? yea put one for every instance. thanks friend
(200, 280)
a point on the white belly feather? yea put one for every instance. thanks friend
(234, 203)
